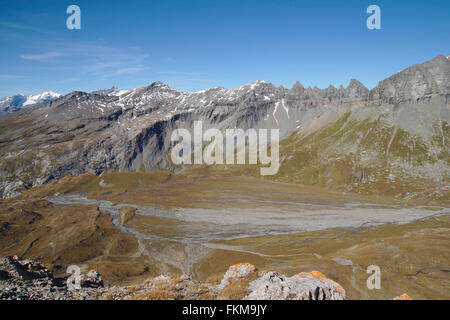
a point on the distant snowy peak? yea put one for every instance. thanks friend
(17, 102)
(114, 91)
(12, 103)
(44, 97)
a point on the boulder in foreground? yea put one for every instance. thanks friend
(30, 280)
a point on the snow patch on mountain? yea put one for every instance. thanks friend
(113, 91)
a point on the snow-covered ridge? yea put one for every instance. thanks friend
(17, 102)
(44, 97)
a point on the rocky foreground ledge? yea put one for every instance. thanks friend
(28, 279)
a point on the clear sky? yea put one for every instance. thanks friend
(193, 45)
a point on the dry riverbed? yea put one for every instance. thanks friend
(201, 226)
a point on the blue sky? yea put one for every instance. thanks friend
(193, 45)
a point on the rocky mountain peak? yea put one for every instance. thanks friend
(159, 86)
(430, 77)
(113, 91)
(356, 89)
(297, 88)
(75, 94)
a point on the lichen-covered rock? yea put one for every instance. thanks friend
(303, 286)
(236, 271)
(403, 297)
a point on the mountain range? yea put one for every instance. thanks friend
(17, 102)
(393, 139)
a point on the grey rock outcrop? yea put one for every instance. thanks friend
(418, 81)
(26, 279)
(92, 279)
(304, 286)
(270, 285)
(13, 268)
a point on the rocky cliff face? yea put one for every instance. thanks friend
(130, 131)
(416, 82)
